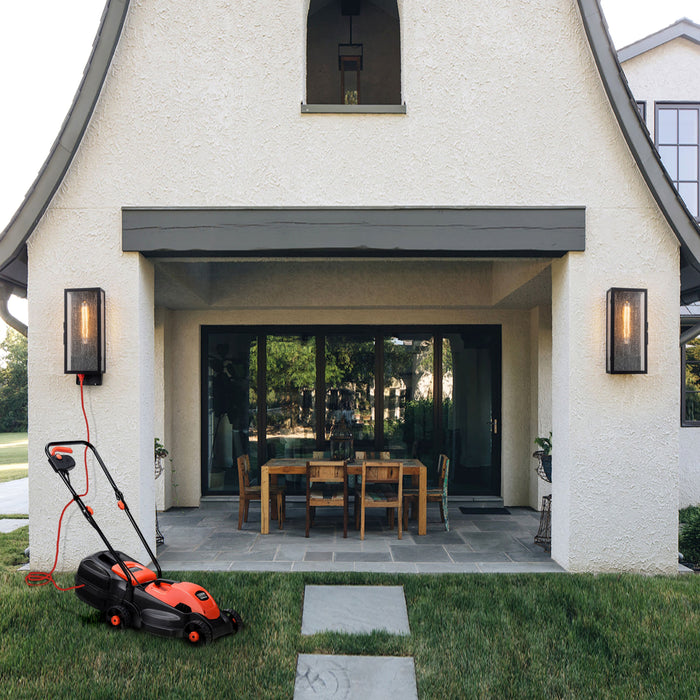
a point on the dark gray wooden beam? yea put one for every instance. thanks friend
(549, 232)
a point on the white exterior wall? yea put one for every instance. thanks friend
(671, 73)
(504, 108)
(668, 73)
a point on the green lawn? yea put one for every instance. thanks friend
(13, 456)
(480, 636)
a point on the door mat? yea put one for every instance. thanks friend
(483, 511)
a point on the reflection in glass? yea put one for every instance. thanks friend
(692, 380)
(232, 407)
(408, 396)
(688, 126)
(467, 412)
(667, 126)
(349, 420)
(291, 375)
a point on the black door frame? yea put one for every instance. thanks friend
(493, 333)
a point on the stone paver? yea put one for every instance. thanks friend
(354, 610)
(208, 538)
(355, 677)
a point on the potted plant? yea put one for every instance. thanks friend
(544, 455)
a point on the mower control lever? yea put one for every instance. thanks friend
(60, 459)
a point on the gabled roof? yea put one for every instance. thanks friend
(682, 29)
(642, 148)
(13, 254)
(13, 264)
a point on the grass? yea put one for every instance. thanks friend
(13, 456)
(481, 636)
(13, 449)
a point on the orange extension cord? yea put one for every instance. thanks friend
(42, 578)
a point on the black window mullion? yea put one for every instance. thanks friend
(320, 391)
(262, 399)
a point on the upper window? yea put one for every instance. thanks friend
(353, 53)
(678, 141)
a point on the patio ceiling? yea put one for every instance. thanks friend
(341, 283)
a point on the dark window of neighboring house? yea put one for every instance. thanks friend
(353, 52)
(642, 107)
(690, 395)
(678, 141)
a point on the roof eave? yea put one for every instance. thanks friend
(13, 239)
(638, 139)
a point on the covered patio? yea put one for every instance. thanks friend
(207, 538)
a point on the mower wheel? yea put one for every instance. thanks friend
(198, 634)
(236, 619)
(118, 617)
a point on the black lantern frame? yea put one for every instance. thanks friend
(627, 331)
(84, 334)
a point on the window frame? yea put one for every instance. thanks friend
(678, 106)
(685, 423)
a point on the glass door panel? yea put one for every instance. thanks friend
(290, 381)
(409, 424)
(471, 367)
(232, 426)
(350, 368)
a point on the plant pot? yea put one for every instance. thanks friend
(547, 466)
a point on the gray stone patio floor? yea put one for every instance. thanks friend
(207, 538)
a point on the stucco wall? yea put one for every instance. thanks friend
(671, 73)
(504, 108)
(668, 73)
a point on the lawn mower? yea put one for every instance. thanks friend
(128, 593)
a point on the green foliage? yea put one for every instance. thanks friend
(544, 443)
(159, 449)
(689, 535)
(13, 383)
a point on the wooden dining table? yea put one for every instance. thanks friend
(281, 466)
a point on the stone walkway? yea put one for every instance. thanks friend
(354, 610)
(207, 538)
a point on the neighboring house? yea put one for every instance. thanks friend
(290, 204)
(663, 71)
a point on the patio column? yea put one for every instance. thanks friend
(615, 437)
(120, 411)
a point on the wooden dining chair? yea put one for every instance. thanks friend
(326, 485)
(248, 493)
(381, 487)
(436, 494)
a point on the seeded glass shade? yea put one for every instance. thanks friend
(84, 331)
(626, 331)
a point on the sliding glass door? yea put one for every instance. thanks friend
(269, 392)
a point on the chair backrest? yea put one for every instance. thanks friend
(443, 471)
(382, 472)
(318, 455)
(243, 473)
(326, 470)
(384, 455)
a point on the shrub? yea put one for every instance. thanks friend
(689, 535)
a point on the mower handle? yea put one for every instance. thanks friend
(53, 451)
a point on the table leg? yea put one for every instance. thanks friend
(264, 500)
(423, 502)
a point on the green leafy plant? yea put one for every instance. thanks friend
(159, 449)
(545, 444)
(689, 535)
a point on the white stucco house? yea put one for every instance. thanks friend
(663, 71)
(302, 214)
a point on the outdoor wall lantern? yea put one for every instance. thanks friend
(626, 331)
(84, 334)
